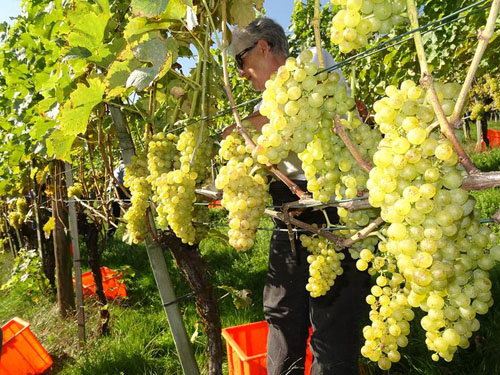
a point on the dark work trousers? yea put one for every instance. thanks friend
(290, 310)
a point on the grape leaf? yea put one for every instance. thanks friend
(149, 8)
(59, 145)
(119, 71)
(160, 54)
(75, 112)
(41, 127)
(141, 25)
(241, 13)
(88, 26)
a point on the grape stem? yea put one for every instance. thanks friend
(427, 82)
(291, 220)
(94, 211)
(363, 233)
(239, 126)
(481, 181)
(317, 34)
(325, 214)
(340, 131)
(484, 38)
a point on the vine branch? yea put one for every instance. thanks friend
(340, 131)
(427, 82)
(484, 38)
(317, 34)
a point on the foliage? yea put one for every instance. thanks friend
(27, 270)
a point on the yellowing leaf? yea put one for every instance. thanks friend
(59, 145)
(75, 112)
(49, 226)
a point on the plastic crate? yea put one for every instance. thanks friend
(112, 283)
(22, 354)
(247, 349)
(494, 137)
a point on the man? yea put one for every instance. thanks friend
(260, 49)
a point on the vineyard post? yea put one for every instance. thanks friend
(65, 295)
(158, 264)
(77, 265)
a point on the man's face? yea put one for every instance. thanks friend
(257, 64)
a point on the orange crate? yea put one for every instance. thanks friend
(112, 283)
(247, 349)
(494, 137)
(22, 354)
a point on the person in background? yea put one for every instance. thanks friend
(260, 49)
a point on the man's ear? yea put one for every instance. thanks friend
(263, 46)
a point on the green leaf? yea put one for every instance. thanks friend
(160, 54)
(241, 12)
(176, 10)
(149, 8)
(88, 26)
(119, 71)
(75, 112)
(77, 53)
(41, 127)
(241, 298)
(59, 145)
(141, 25)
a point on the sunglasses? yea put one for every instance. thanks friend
(239, 56)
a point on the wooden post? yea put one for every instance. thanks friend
(65, 294)
(77, 265)
(158, 264)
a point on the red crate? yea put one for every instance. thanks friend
(112, 283)
(247, 349)
(22, 354)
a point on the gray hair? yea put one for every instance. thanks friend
(261, 28)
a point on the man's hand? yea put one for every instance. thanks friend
(256, 119)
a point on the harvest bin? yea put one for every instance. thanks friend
(112, 283)
(247, 349)
(22, 354)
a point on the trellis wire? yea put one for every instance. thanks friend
(376, 49)
(387, 44)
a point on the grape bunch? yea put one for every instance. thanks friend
(195, 150)
(176, 197)
(436, 255)
(135, 179)
(175, 193)
(75, 191)
(19, 209)
(358, 20)
(245, 191)
(324, 264)
(162, 155)
(296, 100)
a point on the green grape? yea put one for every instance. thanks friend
(245, 194)
(358, 20)
(433, 236)
(324, 264)
(135, 179)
